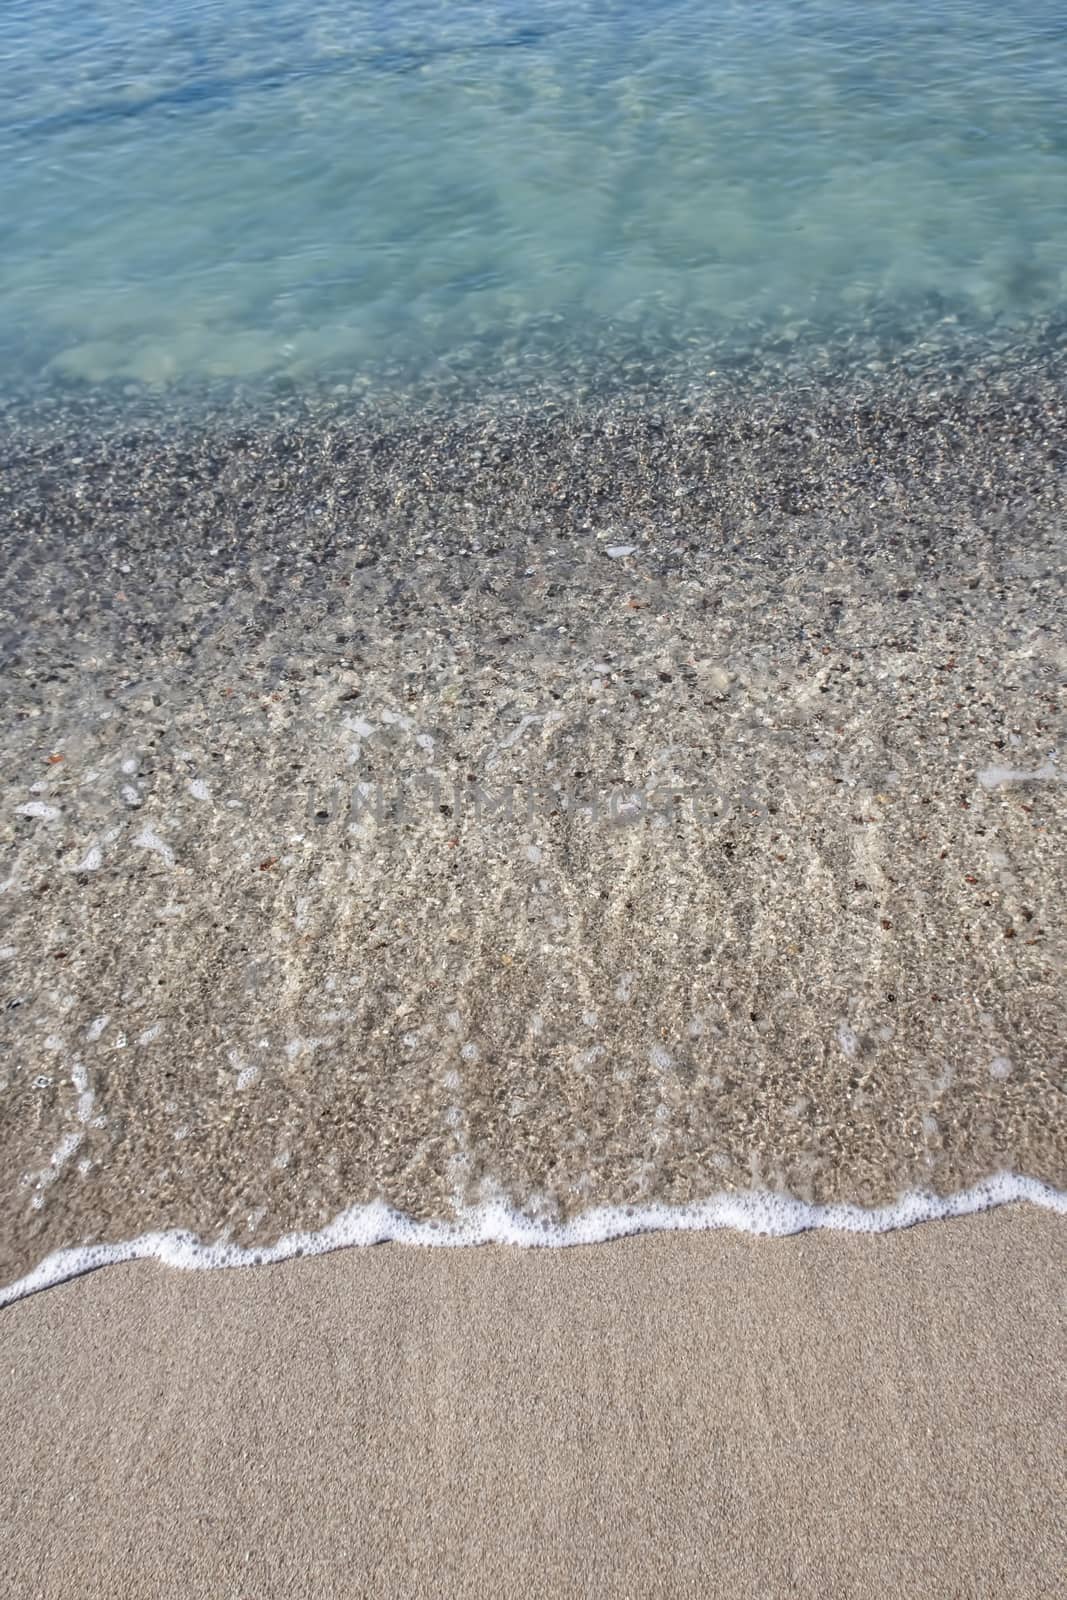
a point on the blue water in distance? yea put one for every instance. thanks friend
(405, 191)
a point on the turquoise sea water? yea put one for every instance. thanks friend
(430, 191)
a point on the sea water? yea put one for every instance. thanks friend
(428, 193)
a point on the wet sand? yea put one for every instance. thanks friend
(708, 1415)
(274, 943)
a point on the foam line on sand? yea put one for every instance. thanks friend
(494, 1222)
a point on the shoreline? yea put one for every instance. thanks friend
(766, 1215)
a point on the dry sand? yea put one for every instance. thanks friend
(703, 1415)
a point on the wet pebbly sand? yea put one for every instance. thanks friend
(774, 687)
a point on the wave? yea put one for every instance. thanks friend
(495, 1222)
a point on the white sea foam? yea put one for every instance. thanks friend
(997, 777)
(147, 839)
(38, 809)
(771, 1215)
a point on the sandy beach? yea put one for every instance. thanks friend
(705, 1415)
(533, 1033)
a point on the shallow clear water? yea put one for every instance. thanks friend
(424, 191)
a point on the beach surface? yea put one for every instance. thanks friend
(676, 1415)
